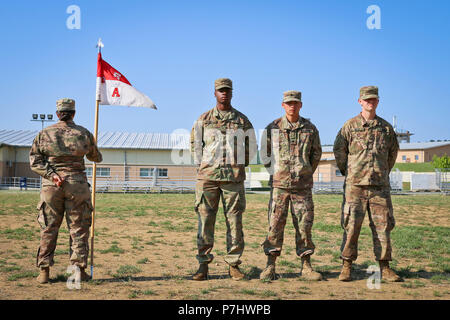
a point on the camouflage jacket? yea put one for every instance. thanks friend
(366, 151)
(293, 153)
(60, 149)
(222, 145)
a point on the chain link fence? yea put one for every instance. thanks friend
(129, 179)
(24, 183)
(443, 180)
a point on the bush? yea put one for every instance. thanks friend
(441, 162)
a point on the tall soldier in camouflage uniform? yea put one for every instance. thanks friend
(365, 149)
(293, 152)
(222, 143)
(57, 155)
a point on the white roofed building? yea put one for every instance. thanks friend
(152, 158)
(126, 156)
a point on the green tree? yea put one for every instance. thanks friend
(441, 162)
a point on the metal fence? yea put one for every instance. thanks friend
(20, 182)
(443, 179)
(146, 186)
(184, 182)
(328, 187)
(129, 179)
(396, 180)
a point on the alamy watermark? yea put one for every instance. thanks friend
(374, 281)
(374, 20)
(228, 146)
(74, 20)
(74, 281)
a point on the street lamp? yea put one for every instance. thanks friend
(41, 117)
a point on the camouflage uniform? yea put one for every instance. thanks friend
(221, 174)
(365, 153)
(60, 149)
(294, 151)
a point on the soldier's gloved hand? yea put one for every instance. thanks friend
(57, 180)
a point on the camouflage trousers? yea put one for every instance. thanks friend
(377, 202)
(208, 194)
(75, 200)
(301, 205)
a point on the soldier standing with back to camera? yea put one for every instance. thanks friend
(365, 150)
(57, 154)
(293, 152)
(221, 175)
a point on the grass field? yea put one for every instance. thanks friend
(416, 167)
(146, 245)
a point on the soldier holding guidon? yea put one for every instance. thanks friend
(366, 149)
(223, 143)
(292, 153)
(57, 154)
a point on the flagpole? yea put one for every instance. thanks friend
(94, 172)
(94, 179)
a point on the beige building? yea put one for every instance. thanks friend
(409, 152)
(159, 158)
(422, 151)
(144, 157)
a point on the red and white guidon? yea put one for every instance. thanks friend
(114, 89)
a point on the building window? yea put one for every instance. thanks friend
(145, 172)
(162, 172)
(338, 173)
(101, 172)
(148, 172)
(416, 157)
(404, 158)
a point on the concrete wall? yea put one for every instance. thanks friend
(327, 155)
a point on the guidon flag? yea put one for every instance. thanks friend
(113, 88)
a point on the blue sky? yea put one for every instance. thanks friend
(174, 50)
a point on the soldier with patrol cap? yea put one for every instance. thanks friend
(291, 151)
(222, 143)
(57, 154)
(365, 149)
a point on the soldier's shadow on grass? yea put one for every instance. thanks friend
(359, 272)
(159, 278)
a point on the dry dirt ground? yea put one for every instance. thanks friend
(145, 248)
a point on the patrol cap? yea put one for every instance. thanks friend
(65, 104)
(223, 83)
(368, 92)
(292, 95)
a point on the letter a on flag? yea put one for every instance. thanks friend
(114, 89)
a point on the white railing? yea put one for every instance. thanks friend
(443, 179)
(127, 179)
(20, 182)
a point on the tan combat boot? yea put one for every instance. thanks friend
(307, 271)
(346, 273)
(202, 273)
(387, 273)
(83, 275)
(268, 273)
(44, 275)
(235, 273)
